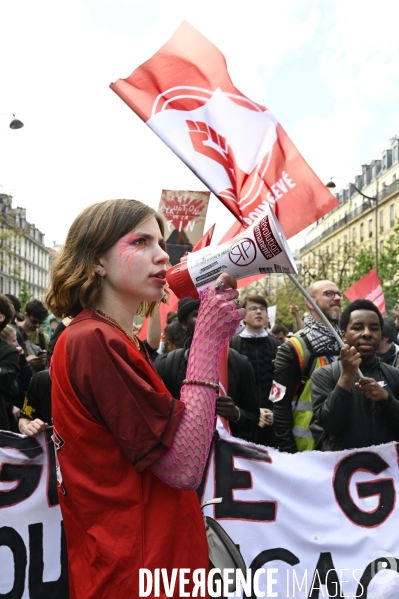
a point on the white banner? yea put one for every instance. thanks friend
(271, 313)
(33, 562)
(319, 524)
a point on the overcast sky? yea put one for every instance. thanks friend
(327, 70)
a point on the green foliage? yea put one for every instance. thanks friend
(364, 261)
(359, 262)
(24, 295)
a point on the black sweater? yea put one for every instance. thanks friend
(349, 419)
(241, 387)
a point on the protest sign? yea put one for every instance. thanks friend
(318, 524)
(185, 213)
(33, 558)
(308, 525)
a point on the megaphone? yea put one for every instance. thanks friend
(260, 249)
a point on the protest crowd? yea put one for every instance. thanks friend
(277, 394)
(294, 393)
(137, 410)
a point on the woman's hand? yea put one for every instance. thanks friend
(225, 288)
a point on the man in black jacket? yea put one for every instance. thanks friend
(260, 348)
(356, 411)
(310, 348)
(239, 407)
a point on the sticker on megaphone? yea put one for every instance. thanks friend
(260, 249)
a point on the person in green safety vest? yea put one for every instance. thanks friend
(296, 359)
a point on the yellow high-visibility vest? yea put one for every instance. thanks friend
(302, 405)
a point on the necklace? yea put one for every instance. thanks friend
(115, 324)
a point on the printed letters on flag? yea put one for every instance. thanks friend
(368, 287)
(236, 146)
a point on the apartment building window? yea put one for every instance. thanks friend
(381, 221)
(370, 227)
(362, 232)
(392, 215)
(332, 248)
(1, 285)
(354, 235)
(381, 246)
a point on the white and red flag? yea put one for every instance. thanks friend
(234, 145)
(368, 287)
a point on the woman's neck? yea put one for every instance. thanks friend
(121, 310)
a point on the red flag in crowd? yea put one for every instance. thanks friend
(368, 287)
(205, 240)
(234, 145)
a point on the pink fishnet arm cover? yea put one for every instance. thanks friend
(182, 466)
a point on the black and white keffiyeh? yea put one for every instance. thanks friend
(321, 338)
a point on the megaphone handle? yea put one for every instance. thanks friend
(319, 312)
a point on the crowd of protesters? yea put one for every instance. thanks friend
(76, 362)
(292, 391)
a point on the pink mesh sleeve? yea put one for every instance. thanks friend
(182, 466)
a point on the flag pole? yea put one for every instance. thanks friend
(319, 312)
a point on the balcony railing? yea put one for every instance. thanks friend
(385, 191)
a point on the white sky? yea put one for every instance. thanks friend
(327, 70)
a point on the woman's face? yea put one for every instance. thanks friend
(134, 267)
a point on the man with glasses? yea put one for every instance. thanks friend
(312, 347)
(260, 348)
(35, 340)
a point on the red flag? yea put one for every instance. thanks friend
(236, 146)
(205, 239)
(368, 287)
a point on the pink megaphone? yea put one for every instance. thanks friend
(260, 249)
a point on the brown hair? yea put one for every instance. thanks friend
(74, 283)
(7, 309)
(258, 299)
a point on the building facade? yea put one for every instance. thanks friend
(331, 244)
(23, 255)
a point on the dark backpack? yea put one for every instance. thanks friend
(174, 372)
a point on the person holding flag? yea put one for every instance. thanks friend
(353, 409)
(130, 455)
(312, 347)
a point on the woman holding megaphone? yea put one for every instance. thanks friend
(130, 455)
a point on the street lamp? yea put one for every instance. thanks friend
(15, 123)
(331, 185)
